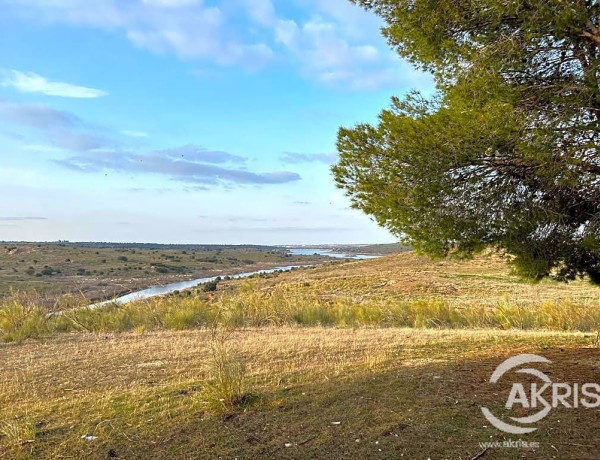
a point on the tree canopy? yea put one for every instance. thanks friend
(506, 154)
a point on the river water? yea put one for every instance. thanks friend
(329, 253)
(153, 291)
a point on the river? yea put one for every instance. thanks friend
(154, 291)
(329, 253)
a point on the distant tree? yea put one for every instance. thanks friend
(507, 152)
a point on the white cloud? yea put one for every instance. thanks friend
(29, 82)
(294, 157)
(325, 49)
(286, 32)
(339, 45)
(327, 54)
(189, 29)
(355, 23)
(261, 11)
(333, 42)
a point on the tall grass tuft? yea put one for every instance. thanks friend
(228, 385)
(17, 434)
(19, 321)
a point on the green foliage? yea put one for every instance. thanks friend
(506, 154)
(211, 286)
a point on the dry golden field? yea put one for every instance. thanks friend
(308, 364)
(486, 279)
(394, 392)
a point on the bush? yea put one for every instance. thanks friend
(211, 286)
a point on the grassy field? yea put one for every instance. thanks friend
(49, 271)
(486, 280)
(386, 358)
(308, 393)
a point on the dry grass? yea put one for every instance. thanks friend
(402, 391)
(397, 291)
(486, 280)
(273, 389)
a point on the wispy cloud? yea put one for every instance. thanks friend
(196, 188)
(293, 157)
(335, 42)
(37, 116)
(29, 82)
(170, 3)
(60, 129)
(194, 153)
(197, 166)
(16, 219)
(190, 29)
(338, 45)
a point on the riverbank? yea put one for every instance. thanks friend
(315, 256)
(402, 290)
(169, 288)
(64, 276)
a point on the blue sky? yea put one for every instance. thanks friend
(186, 121)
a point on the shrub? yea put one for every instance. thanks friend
(211, 286)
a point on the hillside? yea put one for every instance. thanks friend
(97, 271)
(487, 279)
(292, 373)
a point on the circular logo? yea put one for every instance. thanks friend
(502, 369)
